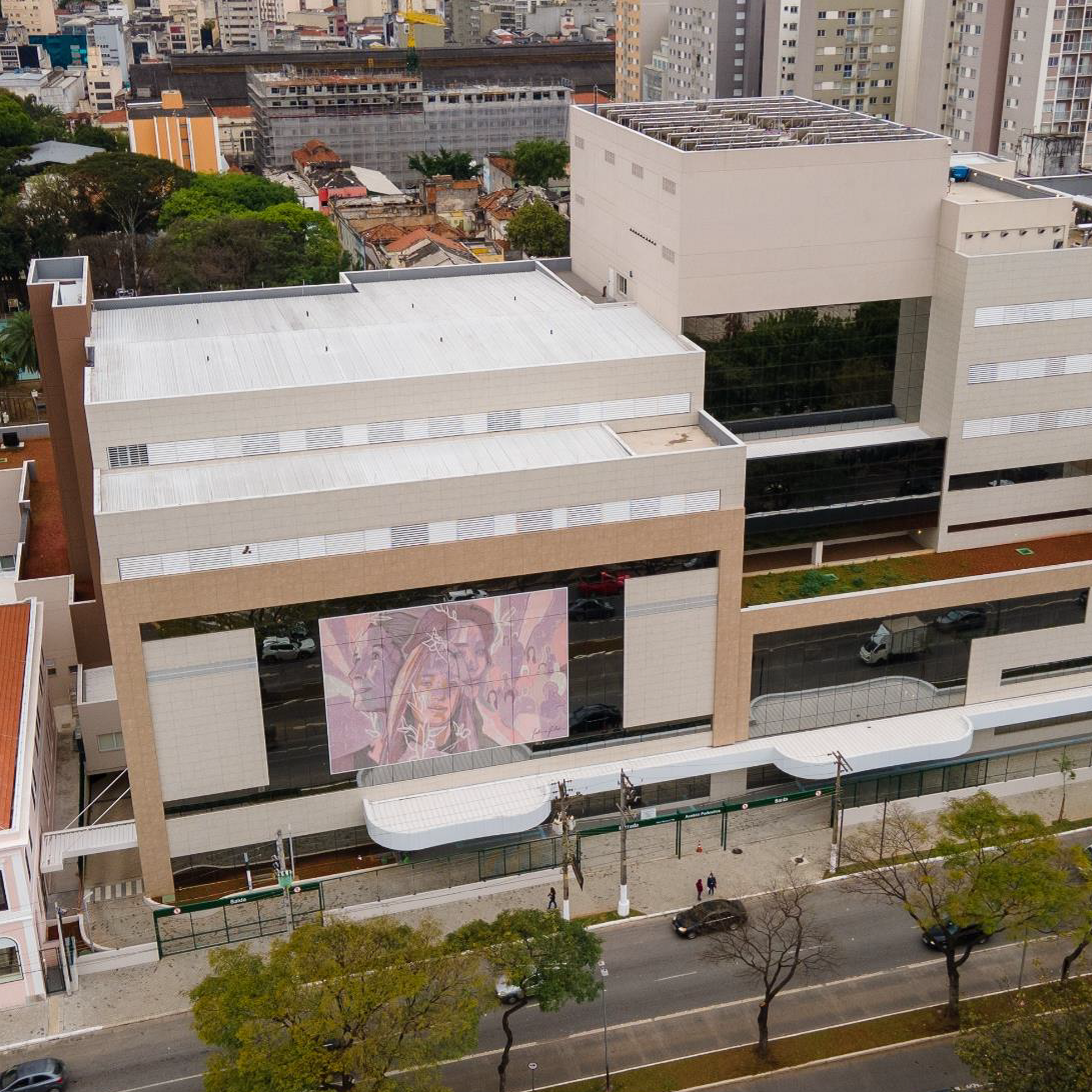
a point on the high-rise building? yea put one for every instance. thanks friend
(111, 38)
(640, 25)
(240, 24)
(379, 121)
(842, 57)
(37, 16)
(713, 49)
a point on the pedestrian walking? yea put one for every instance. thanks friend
(698, 885)
(551, 901)
(711, 885)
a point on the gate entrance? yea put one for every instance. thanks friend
(188, 927)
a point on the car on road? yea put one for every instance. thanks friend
(591, 610)
(962, 935)
(280, 649)
(461, 595)
(961, 618)
(508, 993)
(594, 718)
(603, 584)
(710, 916)
(45, 1073)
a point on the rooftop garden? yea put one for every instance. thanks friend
(922, 568)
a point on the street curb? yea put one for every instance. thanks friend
(93, 1030)
(821, 1061)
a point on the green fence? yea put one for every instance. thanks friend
(190, 926)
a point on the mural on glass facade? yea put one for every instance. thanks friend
(421, 682)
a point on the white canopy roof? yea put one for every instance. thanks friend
(521, 803)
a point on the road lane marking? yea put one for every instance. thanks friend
(669, 977)
(159, 1084)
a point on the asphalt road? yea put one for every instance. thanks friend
(920, 1067)
(664, 1000)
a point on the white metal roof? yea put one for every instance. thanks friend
(381, 330)
(518, 804)
(141, 488)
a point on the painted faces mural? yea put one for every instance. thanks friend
(445, 679)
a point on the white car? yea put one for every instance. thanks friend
(507, 992)
(460, 595)
(276, 649)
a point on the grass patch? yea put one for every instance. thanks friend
(606, 915)
(895, 572)
(812, 1046)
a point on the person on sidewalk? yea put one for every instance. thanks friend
(711, 885)
(698, 885)
(551, 900)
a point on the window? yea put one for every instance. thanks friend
(637, 170)
(1073, 666)
(668, 186)
(3, 893)
(608, 156)
(10, 966)
(110, 741)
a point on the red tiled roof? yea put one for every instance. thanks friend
(497, 197)
(417, 234)
(590, 98)
(14, 627)
(231, 111)
(114, 117)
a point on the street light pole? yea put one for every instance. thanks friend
(564, 820)
(603, 972)
(532, 1066)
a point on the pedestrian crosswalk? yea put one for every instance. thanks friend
(122, 889)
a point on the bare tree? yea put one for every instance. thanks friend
(779, 939)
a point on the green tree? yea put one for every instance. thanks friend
(991, 867)
(1068, 773)
(211, 195)
(540, 957)
(337, 1007)
(540, 230)
(539, 160)
(48, 120)
(18, 350)
(460, 165)
(1044, 1044)
(96, 136)
(281, 245)
(125, 192)
(17, 130)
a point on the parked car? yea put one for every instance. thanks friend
(604, 584)
(279, 649)
(45, 1073)
(591, 718)
(962, 935)
(508, 993)
(961, 618)
(460, 595)
(710, 916)
(590, 610)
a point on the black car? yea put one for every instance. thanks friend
(710, 916)
(45, 1073)
(961, 935)
(595, 718)
(962, 618)
(591, 610)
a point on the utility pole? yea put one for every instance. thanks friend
(284, 878)
(565, 821)
(627, 799)
(840, 766)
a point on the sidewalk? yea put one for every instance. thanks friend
(759, 847)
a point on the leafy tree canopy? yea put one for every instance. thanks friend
(281, 245)
(539, 160)
(212, 195)
(17, 129)
(337, 1006)
(549, 960)
(97, 137)
(460, 165)
(18, 350)
(123, 191)
(538, 229)
(1043, 1045)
